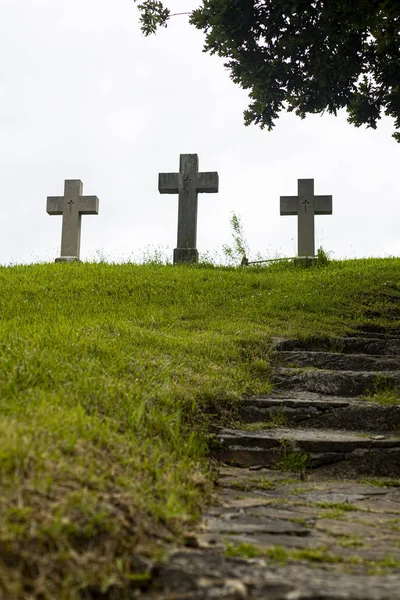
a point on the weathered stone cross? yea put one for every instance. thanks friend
(72, 206)
(188, 183)
(306, 206)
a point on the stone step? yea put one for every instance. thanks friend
(206, 575)
(335, 453)
(338, 383)
(339, 362)
(312, 410)
(350, 345)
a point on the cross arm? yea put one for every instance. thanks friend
(168, 183)
(289, 205)
(207, 183)
(89, 205)
(323, 205)
(55, 205)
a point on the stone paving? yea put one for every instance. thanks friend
(308, 505)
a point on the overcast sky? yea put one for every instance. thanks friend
(83, 95)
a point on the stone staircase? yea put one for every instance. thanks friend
(309, 501)
(317, 398)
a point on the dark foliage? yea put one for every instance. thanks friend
(307, 57)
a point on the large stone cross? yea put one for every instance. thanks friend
(72, 206)
(305, 205)
(188, 183)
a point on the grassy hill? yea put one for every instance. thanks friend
(109, 378)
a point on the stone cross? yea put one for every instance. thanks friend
(188, 183)
(72, 206)
(306, 206)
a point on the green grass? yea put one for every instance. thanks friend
(387, 397)
(293, 462)
(299, 521)
(342, 506)
(109, 377)
(253, 483)
(319, 555)
(242, 550)
(336, 510)
(290, 458)
(384, 392)
(263, 484)
(394, 524)
(381, 482)
(277, 421)
(312, 555)
(350, 541)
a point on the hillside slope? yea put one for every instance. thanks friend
(109, 378)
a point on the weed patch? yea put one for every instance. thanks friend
(320, 555)
(290, 458)
(242, 550)
(384, 392)
(381, 482)
(278, 419)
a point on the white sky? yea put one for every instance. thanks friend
(83, 95)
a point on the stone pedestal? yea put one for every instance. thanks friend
(185, 255)
(67, 259)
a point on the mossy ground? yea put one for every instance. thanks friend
(109, 378)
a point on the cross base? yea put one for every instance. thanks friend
(185, 255)
(306, 261)
(67, 259)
